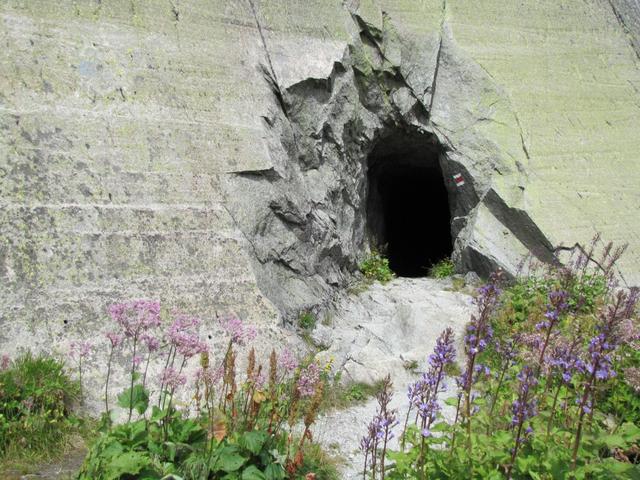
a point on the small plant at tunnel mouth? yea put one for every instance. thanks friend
(239, 423)
(376, 268)
(442, 269)
(548, 389)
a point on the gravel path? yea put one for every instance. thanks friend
(378, 332)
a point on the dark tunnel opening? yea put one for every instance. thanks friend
(408, 204)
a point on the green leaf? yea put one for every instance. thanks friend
(613, 441)
(158, 414)
(613, 466)
(274, 472)
(252, 473)
(136, 398)
(130, 463)
(252, 441)
(451, 401)
(630, 431)
(229, 460)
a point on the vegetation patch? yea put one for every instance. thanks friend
(376, 268)
(342, 396)
(443, 269)
(239, 425)
(548, 387)
(36, 419)
(307, 321)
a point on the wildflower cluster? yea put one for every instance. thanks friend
(379, 432)
(241, 417)
(554, 356)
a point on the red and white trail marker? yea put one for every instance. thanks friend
(458, 179)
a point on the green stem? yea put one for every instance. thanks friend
(133, 371)
(106, 383)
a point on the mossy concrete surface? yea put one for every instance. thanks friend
(135, 135)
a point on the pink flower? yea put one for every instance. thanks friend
(182, 336)
(152, 343)
(115, 339)
(210, 376)
(172, 378)
(287, 361)
(136, 316)
(80, 350)
(137, 360)
(236, 329)
(5, 362)
(309, 380)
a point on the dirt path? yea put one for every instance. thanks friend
(378, 332)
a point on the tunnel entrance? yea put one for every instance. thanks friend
(408, 205)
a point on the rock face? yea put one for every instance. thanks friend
(215, 154)
(391, 329)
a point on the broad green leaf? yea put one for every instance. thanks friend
(158, 414)
(229, 460)
(613, 441)
(274, 472)
(252, 473)
(130, 463)
(136, 398)
(252, 441)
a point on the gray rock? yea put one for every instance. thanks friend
(472, 279)
(386, 328)
(375, 334)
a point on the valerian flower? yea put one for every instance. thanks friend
(238, 332)
(287, 361)
(182, 336)
(172, 378)
(309, 380)
(115, 339)
(79, 350)
(136, 316)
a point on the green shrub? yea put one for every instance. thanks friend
(443, 269)
(622, 398)
(317, 461)
(35, 407)
(376, 267)
(307, 321)
(339, 396)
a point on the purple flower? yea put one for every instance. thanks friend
(287, 361)
(183, 338)
(136, 316)
(237, 330)
(172, 379)
(5, 362)
(80, 350)
(380, 430)
(525, 406)
(308, 380)
(423, 394)
(115, 339)
(565, 361)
